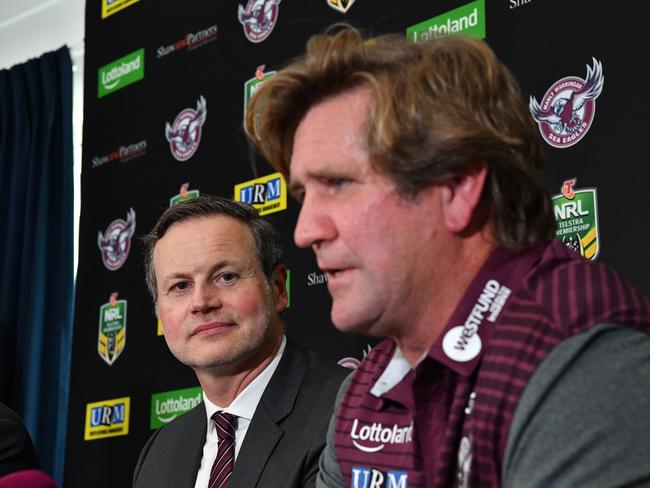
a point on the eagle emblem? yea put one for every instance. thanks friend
(184, 135)
(258, 18)
(568, 107)
(115, 242)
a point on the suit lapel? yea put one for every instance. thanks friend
(189, 450)
(265, 430)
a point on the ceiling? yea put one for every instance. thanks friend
(29, 28)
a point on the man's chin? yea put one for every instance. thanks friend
(351, 324)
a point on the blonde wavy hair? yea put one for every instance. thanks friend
(440, 108)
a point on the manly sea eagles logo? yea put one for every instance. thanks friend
(116, 241)
(184, 135)
(258, 18)
(568, 107)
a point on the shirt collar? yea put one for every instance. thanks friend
(395, 371)
(464, 339)
(245, 404)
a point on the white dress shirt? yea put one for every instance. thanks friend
(243, 406)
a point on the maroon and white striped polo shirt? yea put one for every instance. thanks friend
(446, 422)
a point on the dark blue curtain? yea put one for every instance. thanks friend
(36, 248)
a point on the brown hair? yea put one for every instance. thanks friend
(439, 109)
(268, 243)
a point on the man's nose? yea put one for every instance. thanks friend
(315, 224)
(205, 298)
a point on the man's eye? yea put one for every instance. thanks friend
(228, 277)
(181, 285)
(337, 183)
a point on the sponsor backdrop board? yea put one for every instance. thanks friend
(166, 86)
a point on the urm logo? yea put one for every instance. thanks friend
(107, 415)
(363, 477)
(261, 192)
(267, 194)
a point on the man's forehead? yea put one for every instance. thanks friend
(215, 229)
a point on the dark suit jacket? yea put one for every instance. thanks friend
(283, 442)
(16, 449)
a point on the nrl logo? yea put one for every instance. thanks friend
(184, 135)
(115, 242)
(112, 329)
(258, 18)
(185, 194)
(251, 86)
(576, 216)
(568, 107)
(341, 5)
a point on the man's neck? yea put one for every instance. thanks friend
(439, 301)
(222, 385)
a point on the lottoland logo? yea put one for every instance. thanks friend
(168, 405)
(468, 19)
(120, 73)
(377, 434)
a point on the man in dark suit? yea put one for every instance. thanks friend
(217, 275)
(16, 449)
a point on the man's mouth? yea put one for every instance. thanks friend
(212, 327)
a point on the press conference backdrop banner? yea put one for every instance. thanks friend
(166, 84)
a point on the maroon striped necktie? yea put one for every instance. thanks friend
(225, 460)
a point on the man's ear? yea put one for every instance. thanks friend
(461, 196)
(279, 287)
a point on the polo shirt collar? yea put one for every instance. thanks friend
(464, 339)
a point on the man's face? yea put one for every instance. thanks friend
(214, 302)
(373, 244)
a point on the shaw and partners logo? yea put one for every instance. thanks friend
(168, 405)
(267, 194)
(190, 41)
(122, 154)
(576, 217)
(121, 73)
(374, 437)
(364, 477)
(108, 418)
(109, 7)
(112, 329)
(463, 343)
(468, 19)
(568, 107)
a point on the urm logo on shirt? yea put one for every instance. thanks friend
(363, 477)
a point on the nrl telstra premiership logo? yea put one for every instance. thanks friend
(184, 194)
(568, 107)
(251, 86)
(184, 135)
(258, 18)
(576, 217)
(115, 242)
(112, 329)
(341, 5)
